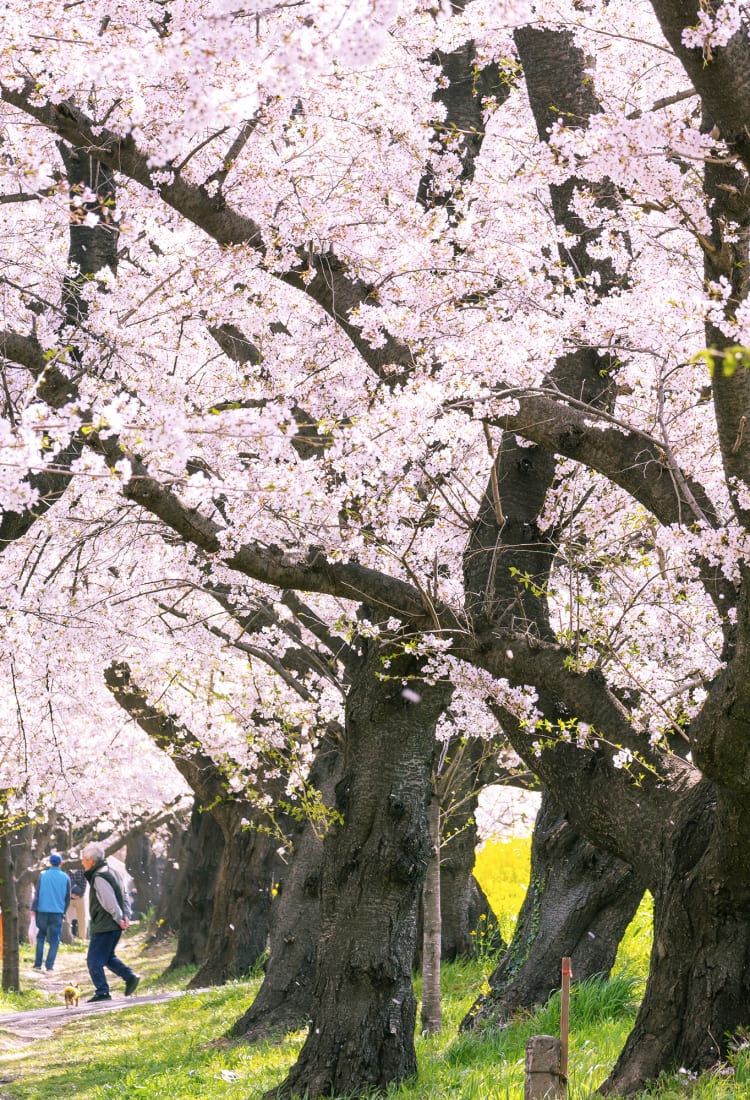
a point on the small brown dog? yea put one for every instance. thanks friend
(72, 995)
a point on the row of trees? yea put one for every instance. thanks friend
(404, 310)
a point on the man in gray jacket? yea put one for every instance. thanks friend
(108, 918)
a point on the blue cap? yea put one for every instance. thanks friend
(55, 859)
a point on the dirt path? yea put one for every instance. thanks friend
(40, 1023)
(19, 1028)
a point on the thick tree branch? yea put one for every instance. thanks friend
(269, 565)
(583, 766)
(632, 459)
(720, 74)
(635, 461)
(24, 350)
(202, 773)
(321, 276)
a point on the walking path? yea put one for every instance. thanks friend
(40, 1023)
(17, 1028)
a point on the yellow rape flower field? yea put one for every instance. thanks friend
(502, 870)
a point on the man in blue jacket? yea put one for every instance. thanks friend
(51, 899)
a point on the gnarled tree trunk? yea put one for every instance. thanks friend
(698, 990)
(190, 904)
(238, 934)
(364, 1010)
(284, 1000)
(579, 902)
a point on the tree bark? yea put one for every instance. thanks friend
(721, 78)
(90, 248)
(284, 1000)
(579, 902)
(432, 1010)
(238, 934)
(698, 990)
(189, 906)
(9, 907)
(364, 1010)
(21, 850)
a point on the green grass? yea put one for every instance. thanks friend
(160, 1052)
(166, 1051)
(169, 1051)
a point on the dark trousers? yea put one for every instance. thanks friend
(101, 953)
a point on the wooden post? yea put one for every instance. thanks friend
(542, 1068)
(547, 1057)
(567, 974)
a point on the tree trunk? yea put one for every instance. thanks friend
(432, 1012)
(139, 859)
(239, 921)
(579, 902)
(91, 248)
(464, 909)
(173, 879)
(9, 906)
(284, 1000)
(364, 1010)
(238, 934)
(21, 843)
(698, 990)
(193, 896)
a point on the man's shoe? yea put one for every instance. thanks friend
(131, 985)
(36, 968)
(99, 997)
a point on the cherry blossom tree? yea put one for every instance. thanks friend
(526, 478)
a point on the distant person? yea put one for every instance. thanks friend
(108, 919)
(76, 913)
(51, 899)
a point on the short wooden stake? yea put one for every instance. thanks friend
(567, 974)
(542, 1068)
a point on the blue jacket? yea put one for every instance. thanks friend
(52, 893)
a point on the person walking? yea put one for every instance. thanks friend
(108, 918)
(51, 899)
(76, 913)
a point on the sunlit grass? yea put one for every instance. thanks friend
(635, 946)
(165, 1051)
(161, 1051)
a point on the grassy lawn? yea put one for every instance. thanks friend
(168, 1051)
(159, 1051)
